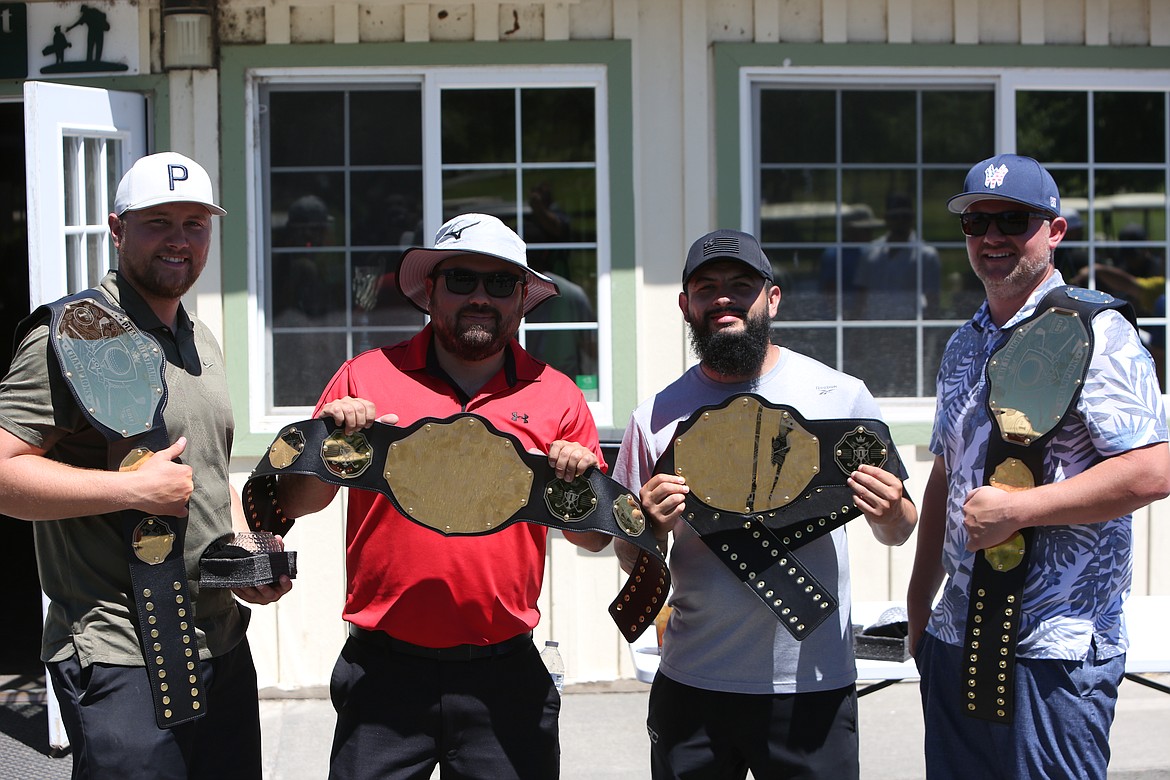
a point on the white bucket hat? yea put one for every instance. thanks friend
(470, 234)
(166, 177)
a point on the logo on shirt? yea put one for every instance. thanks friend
(519, 417)
(825, 389)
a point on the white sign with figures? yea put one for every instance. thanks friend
(82, 39)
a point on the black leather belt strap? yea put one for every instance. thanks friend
(504, 484)
(998, 576)
(384, 641)
(154, 545)
(759, 546)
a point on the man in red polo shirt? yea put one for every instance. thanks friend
(440, 667)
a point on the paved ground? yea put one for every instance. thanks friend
(603, 735)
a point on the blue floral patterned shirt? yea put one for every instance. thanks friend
(1079, 575)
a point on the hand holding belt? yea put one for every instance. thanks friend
(506, 485)
(1033, 381)
(764, 482)
(115, 373)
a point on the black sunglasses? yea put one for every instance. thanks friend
(1010, 223)
(498, 284)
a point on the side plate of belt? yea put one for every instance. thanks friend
(411, 466)
(764, 482)
(115, 372)
(1034, 381)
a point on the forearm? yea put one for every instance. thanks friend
(33, 487)
(896, 533)
(1112, 488)
(593, 541)
(300, 495)
(927, 574)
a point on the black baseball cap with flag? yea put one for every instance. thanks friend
(726, 244)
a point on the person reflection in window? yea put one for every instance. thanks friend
(572, 352)
(888, 276)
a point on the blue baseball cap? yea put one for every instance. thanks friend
(1009, 177)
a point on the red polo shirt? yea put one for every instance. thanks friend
(412, 582)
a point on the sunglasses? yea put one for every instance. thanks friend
(498, 284)
(1009, 223)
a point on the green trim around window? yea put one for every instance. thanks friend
(236, 61)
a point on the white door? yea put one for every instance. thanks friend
(78, 142)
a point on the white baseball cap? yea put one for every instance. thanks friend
(470, 234)
(166, 177)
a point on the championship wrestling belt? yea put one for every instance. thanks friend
(115, 373)
(411, 466)
(1034, 381)
(764, 481)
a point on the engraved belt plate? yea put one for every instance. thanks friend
(114, 369)
(1034, 377)
(765, 458)
(153, 541)
(419, 472)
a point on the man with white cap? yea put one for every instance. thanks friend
(440, 667)
(1049, 432)
(154, 677)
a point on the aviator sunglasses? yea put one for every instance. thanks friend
(1009, 223)
(498, 284)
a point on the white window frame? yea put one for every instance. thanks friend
(264, 419)
(1005, 82)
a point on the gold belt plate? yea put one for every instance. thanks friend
(476, 495)
(747, 457)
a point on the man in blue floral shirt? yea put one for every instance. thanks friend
(1108, 458)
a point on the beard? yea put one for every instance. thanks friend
(733, 353)
(474, 341)
(1026, 274)
(152, 281)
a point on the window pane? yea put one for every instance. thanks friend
(562, 206)
(958, 126)
(70, 149)
(303, 363)
(308, 289)
(482, 192)
(96, 207)
(1131, 198)
(1129, 126)
(1052, 126)
(387, 207)
(308, 209)
(307, 128)
(558, 125)
(878, 126)
(386, 127)
(886, 359)
(798, 205)
(797, 125)
(479, 125)
(376, 300)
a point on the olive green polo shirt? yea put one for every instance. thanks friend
(83, 561)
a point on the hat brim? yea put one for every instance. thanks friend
(963, 201)
(214, 209)
(418, 263)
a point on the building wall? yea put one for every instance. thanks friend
(679, 192)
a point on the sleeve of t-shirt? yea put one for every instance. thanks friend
(36, 405)
(1121, 402)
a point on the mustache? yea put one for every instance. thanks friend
(737, 310)
(476, 308)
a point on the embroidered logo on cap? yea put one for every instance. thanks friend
(176, 173)
(993, 177)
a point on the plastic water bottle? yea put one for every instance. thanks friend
(552, 661)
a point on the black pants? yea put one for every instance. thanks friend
(399, 715)
(699, 734)
(109, 716)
